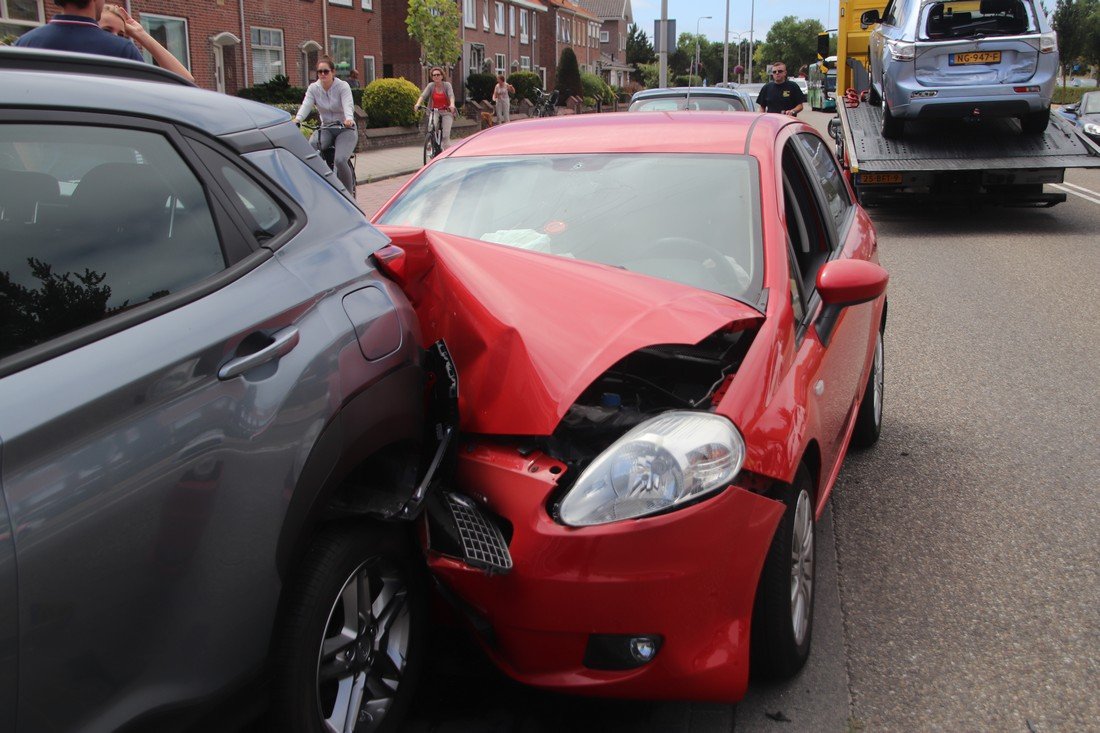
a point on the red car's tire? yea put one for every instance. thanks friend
(782, 623)
(869, 418)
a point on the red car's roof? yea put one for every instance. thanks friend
(658, 132)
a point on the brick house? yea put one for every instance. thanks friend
(226, 52)
(570, 26)
(502, 36)
(615, 18)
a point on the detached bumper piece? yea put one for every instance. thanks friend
(461, 528)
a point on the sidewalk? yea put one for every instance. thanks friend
(377, 165)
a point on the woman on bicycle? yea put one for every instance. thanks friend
(332, 98)
(442, 99)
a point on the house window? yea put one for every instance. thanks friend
(171, 33)
(523, 26)
(469, 13)
(500, 63)
(477, 57)
(525, 63)
(498, 19)
(342, 50)
(368, 70)
(267, 54)
(343, 3)
(485, 15)
(19, 16)
(511, 21)
(605, 37)
(368, 4)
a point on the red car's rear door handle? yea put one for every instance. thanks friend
(281, 344)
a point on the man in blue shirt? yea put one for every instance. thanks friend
(77, 29)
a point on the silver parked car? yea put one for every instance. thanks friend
(716, 99)
(962, 58)
(211, 417)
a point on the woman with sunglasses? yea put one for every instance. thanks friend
(332, 98)
(442, 99)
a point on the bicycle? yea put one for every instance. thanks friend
(545, 104)
(329, 154)
(433, 140)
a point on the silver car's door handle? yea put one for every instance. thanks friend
(282, 342)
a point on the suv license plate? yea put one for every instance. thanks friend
(976, 57)
(873, 178)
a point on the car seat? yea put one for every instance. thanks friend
(21, 193)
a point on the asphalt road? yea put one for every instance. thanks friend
(958, 577)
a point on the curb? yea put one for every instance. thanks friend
(385, 176)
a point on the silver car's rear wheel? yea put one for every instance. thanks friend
(351, 638)
(364, 653)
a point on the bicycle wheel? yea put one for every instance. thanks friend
(437, 142)
(428, 153)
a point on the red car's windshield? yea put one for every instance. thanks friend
(692, 219)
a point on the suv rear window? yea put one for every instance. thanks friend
(970, 18)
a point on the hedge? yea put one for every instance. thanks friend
(526, 84)
(595, 88)
(480, 86)
(278, 91)
(389, 102)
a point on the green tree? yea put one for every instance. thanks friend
(568, 76)
(1078, 25)
(434, 25)
(638, 48)
(792, 41)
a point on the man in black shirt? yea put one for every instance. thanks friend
(780, 94)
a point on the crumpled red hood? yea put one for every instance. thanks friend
(528, 332)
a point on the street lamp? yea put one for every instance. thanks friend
(740, 39)
(701, 19)
(752, 27)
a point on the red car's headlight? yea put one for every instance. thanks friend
(662, 463)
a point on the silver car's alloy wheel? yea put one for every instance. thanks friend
(364, 652)
(802, 567)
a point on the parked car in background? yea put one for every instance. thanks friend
(962, 58)
(686, 368)
(211, 414)
(716, 99)
(1085, 115)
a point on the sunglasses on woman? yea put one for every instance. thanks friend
(324, 71)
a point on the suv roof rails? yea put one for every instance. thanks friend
(63, 62)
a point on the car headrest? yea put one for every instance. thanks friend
(126, 192)
(21, 191)
(992, 7)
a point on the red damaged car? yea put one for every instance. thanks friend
(661, 333)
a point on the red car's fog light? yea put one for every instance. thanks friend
(620, 651)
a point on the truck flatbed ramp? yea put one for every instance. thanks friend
(956, 160)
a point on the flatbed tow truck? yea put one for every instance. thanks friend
(943, 161)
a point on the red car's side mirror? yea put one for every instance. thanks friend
(843, 283)
(850, 282)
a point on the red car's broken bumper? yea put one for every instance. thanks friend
(688, 577)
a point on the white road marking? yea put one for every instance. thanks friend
(1082, 188)
(1075, 193)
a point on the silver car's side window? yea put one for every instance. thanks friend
(94, 221)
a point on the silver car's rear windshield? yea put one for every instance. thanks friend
(692, 219)
(670, 104)
(978, 19)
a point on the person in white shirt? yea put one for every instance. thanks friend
(332, 98)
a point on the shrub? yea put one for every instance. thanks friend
(480, 86)
(526, 83)
(276, 91)
(687, 80)
(1069, 95)
(389, 102)
(568, 76)
(596, 88)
